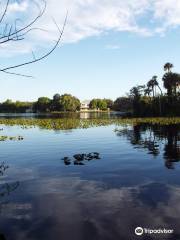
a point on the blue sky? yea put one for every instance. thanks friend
(106, 58)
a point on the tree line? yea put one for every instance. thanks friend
(65, 102)
(151, 100)
(141, 101)
(59, 103)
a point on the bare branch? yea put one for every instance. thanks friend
(17, 74)
(33, 55)
(5, 10)
(12, 33)
(45, 55)
(27, 26)
(5, 29)
(32, 29)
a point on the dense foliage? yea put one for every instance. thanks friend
(14, 107)
(123, 104)
(64, 103)
(100, 104)
(151, 100)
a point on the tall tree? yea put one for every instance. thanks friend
(56, 97)
(136, 92)
(156, 84)
(171, 83)
(147, 91)
(55, 104)
(135, 96)
(69, 103)
(123, 104)
(168, 66)
(150, 86)
(43, 104)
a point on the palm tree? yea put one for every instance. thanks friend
(136, 92)
(171, 83)
(152, 84)
(147, 91)
(167, 79)
(151, 87)
(175, 82)
(168, 66)
(155, 83)
(135, 95)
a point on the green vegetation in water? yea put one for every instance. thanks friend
(80, 159)
(65, 124)
(5, 138)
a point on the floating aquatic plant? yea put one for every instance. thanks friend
(67, 123)
(5, 138)
(79, 159)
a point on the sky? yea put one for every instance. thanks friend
(108, 46)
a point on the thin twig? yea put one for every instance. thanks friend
(45, 55)
(5, 11)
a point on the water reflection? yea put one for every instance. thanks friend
(106, 200)
(69, 208)
(155, 139)
(3, 168)
(6, 188)
(72, 115)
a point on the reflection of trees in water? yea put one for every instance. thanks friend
(139, 138)
(3, 168)
(6, 189)
(172, 147)
(150, 137)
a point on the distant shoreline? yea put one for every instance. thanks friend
(65, 112)
(61, 112)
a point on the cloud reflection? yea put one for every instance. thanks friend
(71, 208)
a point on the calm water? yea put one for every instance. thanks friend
(135, 182)
(81, 115)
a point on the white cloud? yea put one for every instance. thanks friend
(88, 18)
(18, 7)
(168, 11)
(15, 49)
(94, 17)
